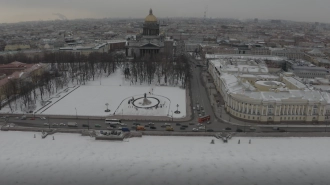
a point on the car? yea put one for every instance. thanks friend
(185, 126)
(119, 128)
(97, 125)
(153, 127)
(46, 124)
(182, 128)
(252, 128)
(85, 125)
(208, 122)
(194, 108)
(209, 130)
(227, 128)
(191, 123)
(177, 124)
(239, 130)
(281, 130)
(167, 124)
(109, 128)
(163, 126)
(133, 127)
(136, 124)
(55, 124)
(42, 118)
(195, 129)
(32, 118)
(101, 132)
(202, 108)
(199, 124)
(146, 125)
(169, 129)
(201, 128)
(122, 124)
(113, 126)
(275, 128)
(151, 123)
(200, 115)
(61, 124)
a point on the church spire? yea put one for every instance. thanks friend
(150, 11)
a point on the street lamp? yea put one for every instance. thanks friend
(76, 113)
(172, 115)
(88, 122)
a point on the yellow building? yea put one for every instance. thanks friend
(16, 47)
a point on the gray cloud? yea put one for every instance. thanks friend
(298, 10)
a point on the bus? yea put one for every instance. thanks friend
(112, 121)
(204, 118)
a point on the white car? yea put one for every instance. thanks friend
(123, 124)
(199, 124)
(151, 123)
(62, 124)
(55, 124)
(195, 129)
(167, 124)
(201, 128)
(46, 124)
(200, 115)
(194, 108)
(42, 118)
(119, 128)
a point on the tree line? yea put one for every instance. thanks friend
(68, 67)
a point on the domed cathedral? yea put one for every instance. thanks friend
(150, 26)
(149, 42)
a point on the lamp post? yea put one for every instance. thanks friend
(107, 104)
(177, 107)
(76, 113)
(48, 123)
(172, 115)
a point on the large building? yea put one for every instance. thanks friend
(250, 93)
(150, 41)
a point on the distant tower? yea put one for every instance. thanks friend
(256, 20)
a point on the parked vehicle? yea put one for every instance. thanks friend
(151, 123)
(167, 124)
(136, 124)
(182, 128)
(177, 124)
(23, 117)
(42, 117)
(195, 129)
(185, 126)
(122, 124)
(153, 127)
(109, 128)
(227, 128)
(125, 129)
(46, 124)
(55, 124)
(72, 124)
(61, 124)
(85, 125)
(97, 125)
(209, 130)
(275, 128)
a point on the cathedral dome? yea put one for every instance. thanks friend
(150, 18)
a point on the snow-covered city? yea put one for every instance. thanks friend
(187, 92)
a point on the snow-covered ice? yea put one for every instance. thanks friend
(74, 159)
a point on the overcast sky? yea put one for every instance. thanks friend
(297, 10)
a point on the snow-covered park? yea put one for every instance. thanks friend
(74, 159)
(91, 99)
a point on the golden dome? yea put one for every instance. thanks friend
(150, 17)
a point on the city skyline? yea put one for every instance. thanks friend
(35, 10)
